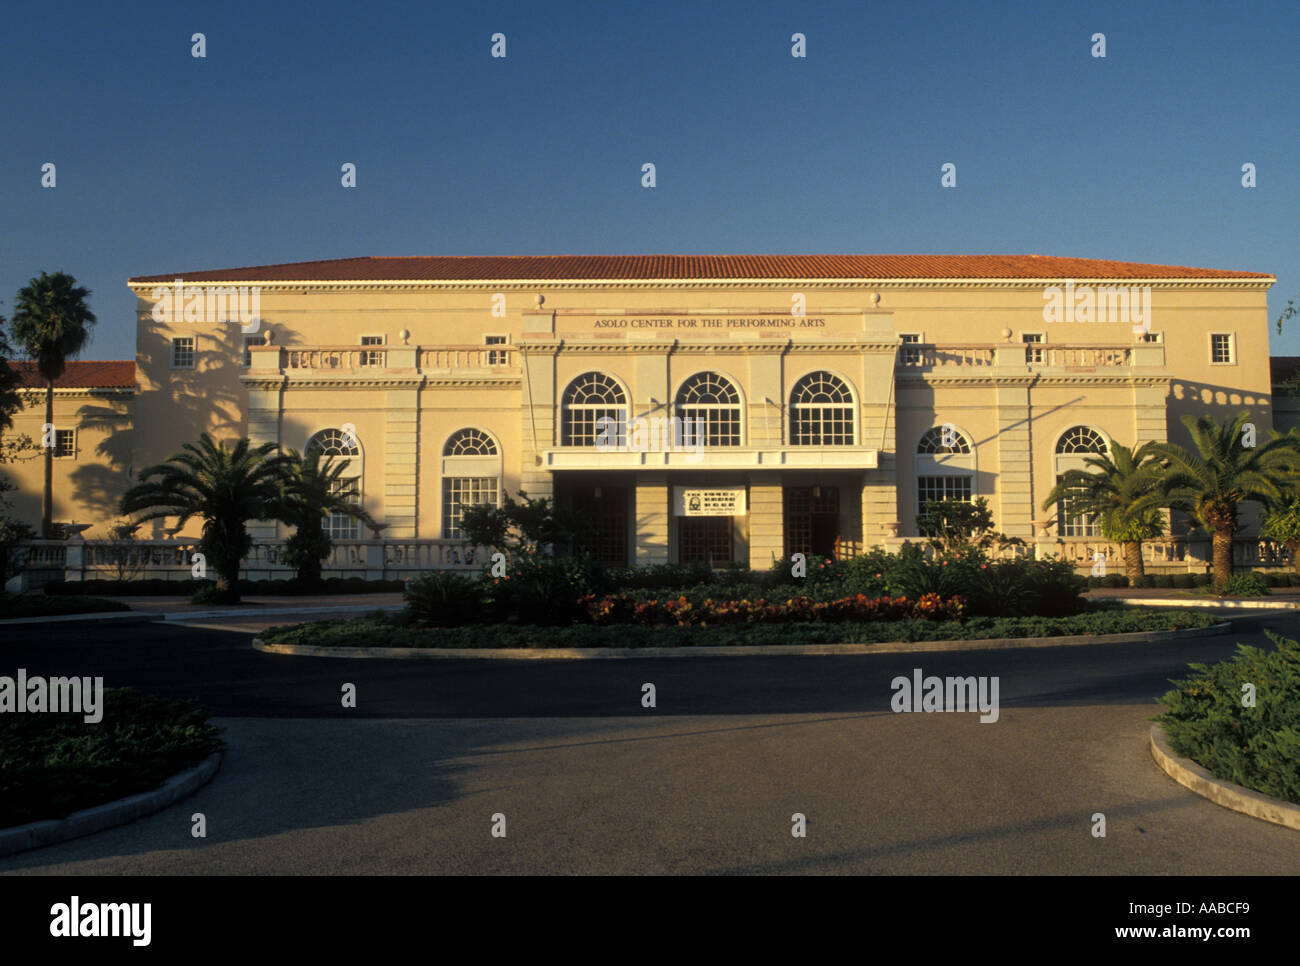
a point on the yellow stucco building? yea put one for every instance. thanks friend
(727, 408)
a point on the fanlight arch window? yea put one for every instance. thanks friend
(471, 476)
(470, 442)
(945, 439)
(593, 410)
(711, 401)
(1080, 439)
(340, 446)
(822, 412)
(1076, 443)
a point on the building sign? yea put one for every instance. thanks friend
(709, 323)
(716, 501)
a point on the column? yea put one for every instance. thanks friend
(401, 463)
(653, 518)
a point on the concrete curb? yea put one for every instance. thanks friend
(1191, 775)
(755, 650)
(91, 820)
(1228, 603)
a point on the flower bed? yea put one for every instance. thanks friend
(681, 611)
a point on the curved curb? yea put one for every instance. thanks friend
(1191, 775)
(738, 650)
(88, 821)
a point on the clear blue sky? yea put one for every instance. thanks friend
(171, 164)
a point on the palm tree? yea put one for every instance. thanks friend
(312, 489)
(225, 487)
(51, 323)
(1108, 489)
(1220, 475)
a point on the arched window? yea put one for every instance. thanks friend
(709, 400)
(821, 412)
(1072, 449)
(945, 466)
(944, 439)
(470, 442)
(341, 446)
(1080, 439)
(471, 476)
(593, 411)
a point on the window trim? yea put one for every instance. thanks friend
(490, 346)
(1232, 348)
(1039, 346)
(69, 456)
(194, 351)
(853, 406)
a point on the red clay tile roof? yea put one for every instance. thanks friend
(113, 374)
(456, 268)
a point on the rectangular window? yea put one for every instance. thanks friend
(340, 526)
(65, 444)
(250, 340)
(183, 352)
(1033, 356)
(705, 539)
(375, 358)
(1221, 349)
(496, 357)
(943, 488)
(909, 356)
(1073, 524)
(1153, 337)
(459, 492)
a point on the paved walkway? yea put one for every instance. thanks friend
(883, 793)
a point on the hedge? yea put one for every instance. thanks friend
(1257, 747)
(54, 764)
(33, 605)
(154, 587)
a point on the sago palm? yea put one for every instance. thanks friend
(51, 323)
(1223, 472)
(225, 487)
(1109, 488)
(313, 488)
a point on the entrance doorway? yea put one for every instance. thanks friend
(812, 520)
(605, 511)
(706, 539)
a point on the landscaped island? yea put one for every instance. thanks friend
(54, 764)
(563, 602)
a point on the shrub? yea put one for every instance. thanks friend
(1055, 589)
(211, 594)
(1202, 580)
(1257, 747)
(1146, 580)
(55, 764)
(542, 590)
(1247, 584)
(444, 598)
(1162, 580)
(1184, 581)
